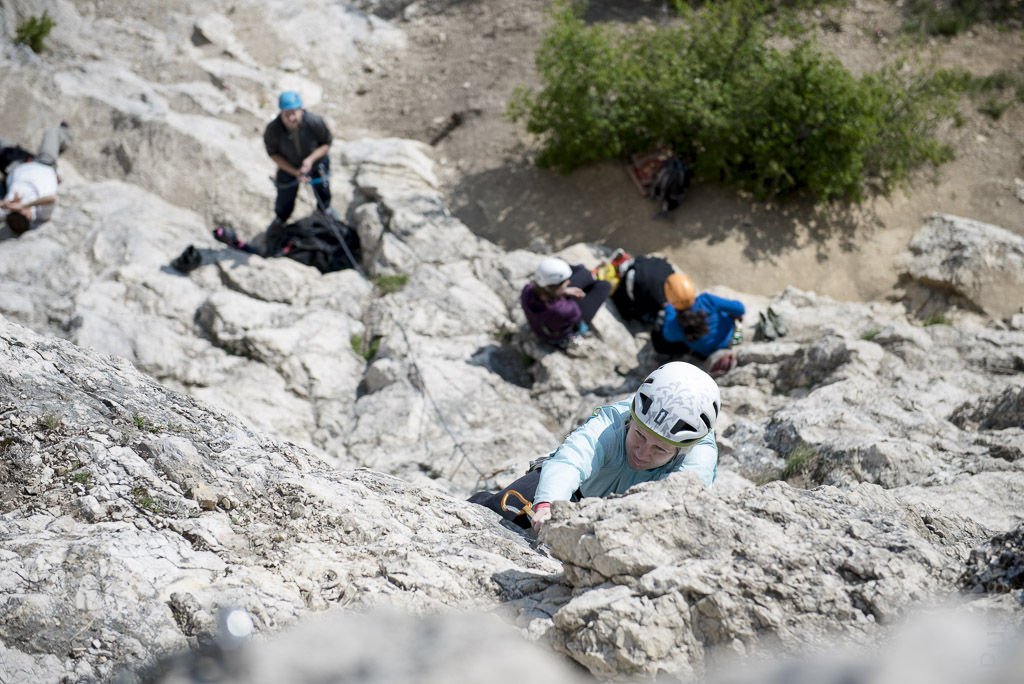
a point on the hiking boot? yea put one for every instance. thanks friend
(187, 261)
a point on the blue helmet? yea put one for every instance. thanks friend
(289, 99)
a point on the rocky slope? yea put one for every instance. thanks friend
(175, 445)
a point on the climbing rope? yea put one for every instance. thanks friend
(418, 378)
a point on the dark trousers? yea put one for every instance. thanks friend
(663, 346)
(288, 189)
(595, 291)
(527, 486)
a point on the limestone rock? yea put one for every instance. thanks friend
(982, 263)
(764, 568)
(997, 565)
(155, 511)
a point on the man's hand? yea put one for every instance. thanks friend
(572, 291)
(307, 166)
(541, 514)
(13, 204)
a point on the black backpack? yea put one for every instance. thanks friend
(671, 183)
(317, 240)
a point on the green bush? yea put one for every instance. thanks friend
(33, 32)
(997, 91)
(770, 121)
(800, 461)
(366, 348)
(950, 17)
(389, 284)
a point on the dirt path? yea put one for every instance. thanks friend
(465, 58)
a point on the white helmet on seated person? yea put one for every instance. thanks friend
(552, 271)
(678, 403)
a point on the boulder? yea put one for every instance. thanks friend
(978, 262)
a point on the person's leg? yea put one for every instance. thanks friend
(526, 485)
(596, 291)
(55, 140)
(322, 188)
(596, 296)
(287, 189)
(663, 346)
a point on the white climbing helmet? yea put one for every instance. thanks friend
(552, 271)
(678, 403)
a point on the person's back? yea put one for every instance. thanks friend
(552, 319)
(719, 317)
(641, 293)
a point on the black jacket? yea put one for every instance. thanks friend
(648, 291)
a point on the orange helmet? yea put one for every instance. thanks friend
(679, 291)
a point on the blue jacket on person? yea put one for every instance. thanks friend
(592, 459)
(721, 319)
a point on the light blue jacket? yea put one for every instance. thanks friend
(593, 459)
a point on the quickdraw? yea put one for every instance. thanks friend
(526, 509)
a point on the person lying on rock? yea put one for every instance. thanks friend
(667, 426)
(30, 181)
(707, 329)
(561, 300)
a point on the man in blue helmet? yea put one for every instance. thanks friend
(298, 142)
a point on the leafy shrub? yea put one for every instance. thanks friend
(366, 348)
(50, 421)
(950, 17)
(800, 461)
(33, 32)
(998, 91)
(390, 284)
(770, 121)
(870, 334)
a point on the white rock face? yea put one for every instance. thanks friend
(982, 263)
(255, 434)
(132, 514)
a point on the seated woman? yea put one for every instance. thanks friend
(706, 329)
(561, 300)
